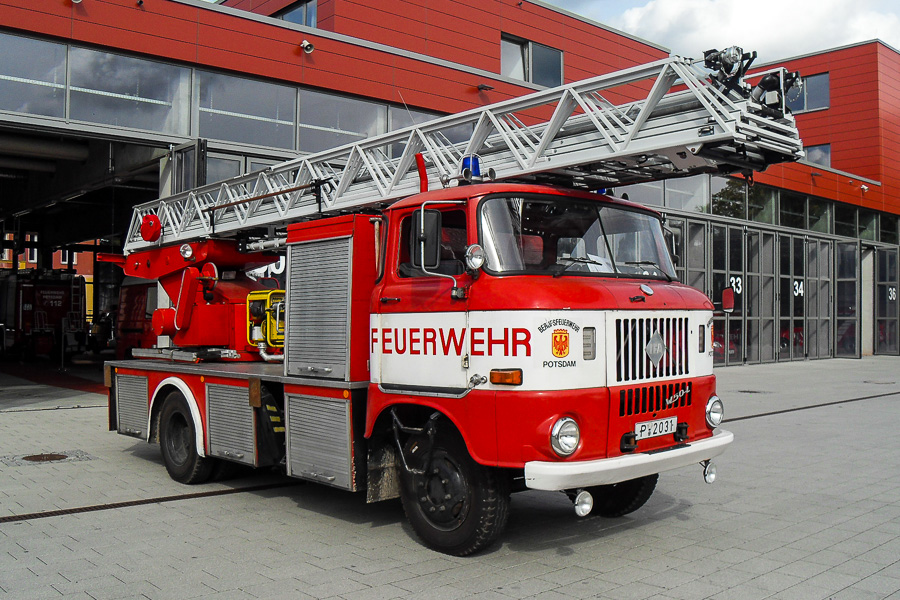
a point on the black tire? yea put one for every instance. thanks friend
(177, 442)
(619, 499)
(459, 507)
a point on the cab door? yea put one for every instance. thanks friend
(419, 332)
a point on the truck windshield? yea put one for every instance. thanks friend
(555, 235)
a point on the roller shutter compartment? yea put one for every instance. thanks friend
(132, 405)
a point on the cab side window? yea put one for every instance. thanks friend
(453, 246)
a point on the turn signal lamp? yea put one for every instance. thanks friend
(590, 343)
(506, 376)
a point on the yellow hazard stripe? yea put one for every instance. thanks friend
(278, 429)
(275, 419)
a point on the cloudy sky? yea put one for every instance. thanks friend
(774, 28)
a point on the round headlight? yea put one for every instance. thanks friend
(715, 412)
(186, 251)
(564, 436)
(475, 257)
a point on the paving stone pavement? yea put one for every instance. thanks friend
(807, 505)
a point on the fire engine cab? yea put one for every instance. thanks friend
(489, 332)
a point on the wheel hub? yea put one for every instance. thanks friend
(177, 438)
(442, 492)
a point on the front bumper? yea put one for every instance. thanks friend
(541, 475)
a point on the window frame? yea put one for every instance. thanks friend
(805, 94)
(302, 6)
(64, 258)
(826, 147)
(527, 48)
(458, 214)
(668, 272)
(31, 252)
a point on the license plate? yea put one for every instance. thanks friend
(649, 429)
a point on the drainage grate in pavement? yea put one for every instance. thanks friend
(20, 460)
(44, 457)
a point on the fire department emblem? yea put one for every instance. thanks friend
(560, 343)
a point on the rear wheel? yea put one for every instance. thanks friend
(177, 442)
(456, 506)
(622, 498)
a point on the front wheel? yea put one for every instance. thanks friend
(177, 442)
(454, 504)
(619, 499)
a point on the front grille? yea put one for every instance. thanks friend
(652, 398)
(634, 335)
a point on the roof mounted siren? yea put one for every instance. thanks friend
(470, 170)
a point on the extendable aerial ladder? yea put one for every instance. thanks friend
(690, 120)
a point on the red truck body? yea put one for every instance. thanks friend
(569, 359)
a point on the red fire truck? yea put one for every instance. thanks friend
(42, 313)
(452, 332)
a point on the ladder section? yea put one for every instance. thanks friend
(683, 123)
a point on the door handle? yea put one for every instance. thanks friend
(386, 300)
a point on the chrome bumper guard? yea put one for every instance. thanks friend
(541, 475)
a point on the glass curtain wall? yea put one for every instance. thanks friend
(760, 303)
(887, 313)
(61, 81)
(122, 91)
(819, 288)
(36, 86)
(328, 121)
(728, 270)
(847, 299)
(247, 111)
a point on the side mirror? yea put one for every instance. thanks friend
(728, 300)
(426, 239)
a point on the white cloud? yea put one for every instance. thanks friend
(774, 28)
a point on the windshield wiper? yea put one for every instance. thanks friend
(559, 267)
(648, 263)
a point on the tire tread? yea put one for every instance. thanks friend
(620, 499)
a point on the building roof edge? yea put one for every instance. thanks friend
(339, 37)
(593, 23)
(826, 51)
